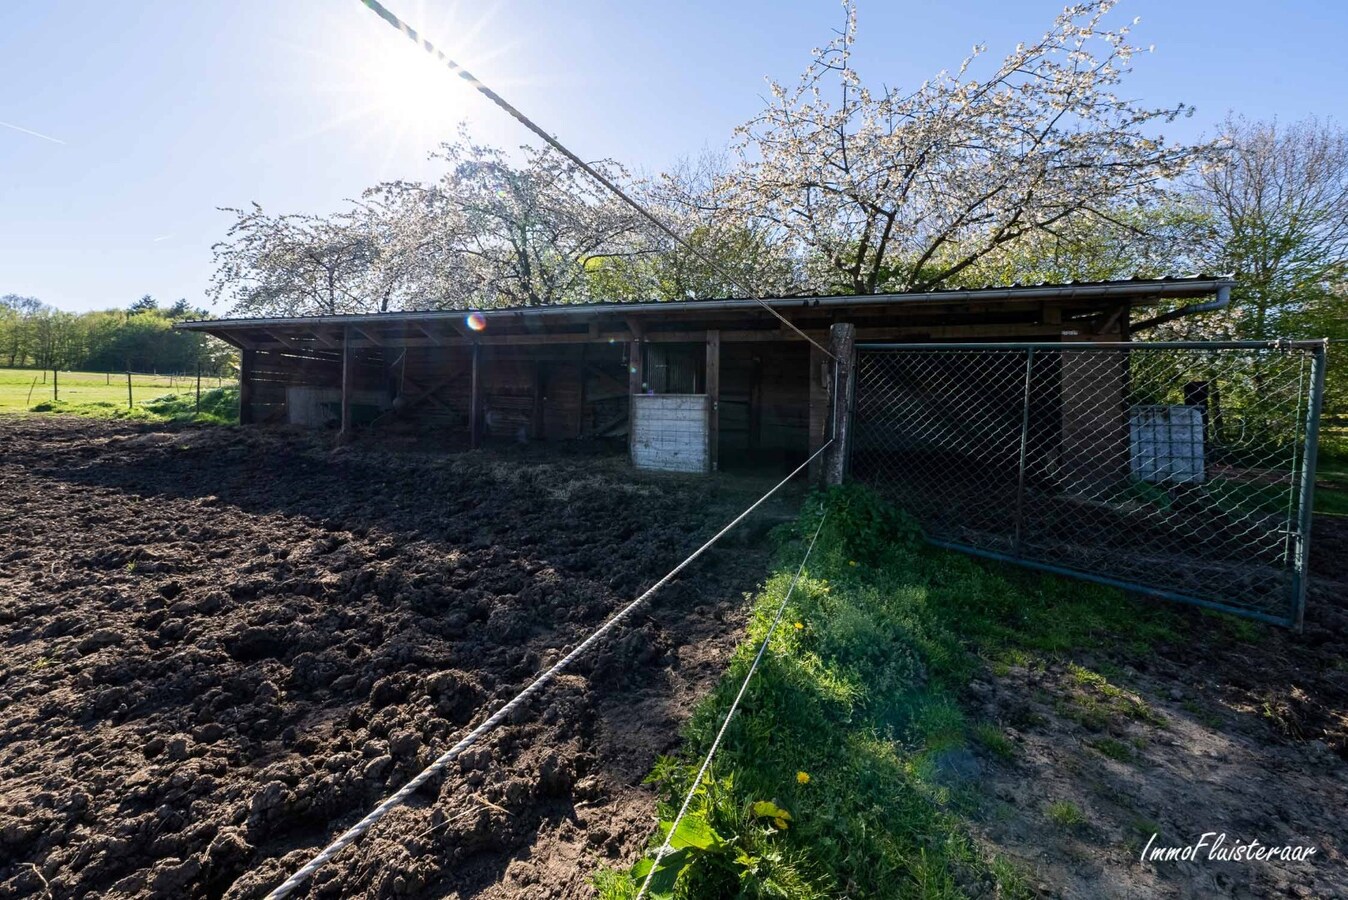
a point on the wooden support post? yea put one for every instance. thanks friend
(841, 339)
(55, 387)
(820, 389)
(247, 362)
(538, 401)
(713, 399)
(581, 376)
(635, 379)
(198, 410)
(348, 379)
(475, 401)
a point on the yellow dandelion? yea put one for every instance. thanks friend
(802, 777)
(851, 562)
(799, 626)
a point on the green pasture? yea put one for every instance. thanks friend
(106, 395)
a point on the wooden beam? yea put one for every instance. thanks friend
(289, 342)
(374, 341)
(713, 399)
(435, 341)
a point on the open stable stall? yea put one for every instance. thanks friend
(692, 385)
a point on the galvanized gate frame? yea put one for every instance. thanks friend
(1305, 489)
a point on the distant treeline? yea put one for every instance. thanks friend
(138, 339)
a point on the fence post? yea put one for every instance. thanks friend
(55, 388)
(1024, 445)
(198, 410)
(130, 399)
(1301, 564)
(842, 338)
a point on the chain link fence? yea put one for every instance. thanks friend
(1180, 470)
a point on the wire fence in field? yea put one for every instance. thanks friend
(26, 389)
(1184, 471)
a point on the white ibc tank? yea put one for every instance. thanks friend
(1166, 444)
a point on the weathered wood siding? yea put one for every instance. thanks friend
(670, 432)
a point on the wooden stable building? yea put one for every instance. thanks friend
(693, 385)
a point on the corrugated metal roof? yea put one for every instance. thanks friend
(1170, 286)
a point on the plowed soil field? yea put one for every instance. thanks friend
(221, 646)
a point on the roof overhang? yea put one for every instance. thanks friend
(672, 319)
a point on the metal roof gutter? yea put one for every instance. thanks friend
(1155, 289)
(1222, 301)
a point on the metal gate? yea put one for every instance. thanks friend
(1181, 470)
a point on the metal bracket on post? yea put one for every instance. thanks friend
(842, 338)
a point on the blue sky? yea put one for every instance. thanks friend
(150, 115)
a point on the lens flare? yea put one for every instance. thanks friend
(476, 321)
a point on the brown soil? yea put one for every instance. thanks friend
(1235, 730)
(222, 646)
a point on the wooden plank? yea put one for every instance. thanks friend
(713, 398)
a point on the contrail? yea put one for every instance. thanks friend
(45, 137)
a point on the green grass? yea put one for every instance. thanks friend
(1065, 814)
(1331, 487)
(157, 398)
(864, 697)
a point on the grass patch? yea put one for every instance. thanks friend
(219, 406)
(993, 739)
(1113, 749)
(863, 699)
(1065, 814)
(1331, 487)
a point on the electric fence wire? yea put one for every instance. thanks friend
(392, 19)
(725, 723)
(354, 833)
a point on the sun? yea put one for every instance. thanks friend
(385, 93)
(408, 87)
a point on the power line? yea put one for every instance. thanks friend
(725, 724)
(388, 16)
(354, 833)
